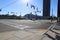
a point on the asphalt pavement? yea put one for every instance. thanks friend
(23, 24)
(24, 29)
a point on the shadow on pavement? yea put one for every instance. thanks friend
(6, 28)
(57, 37)
(55, 32)
(50, 36)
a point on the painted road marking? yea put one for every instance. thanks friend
(17, 26)
(42, 30)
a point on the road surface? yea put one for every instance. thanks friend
(22, 24)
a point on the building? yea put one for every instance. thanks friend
(58, 14)
(46, 8)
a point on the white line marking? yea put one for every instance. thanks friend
(17, 26)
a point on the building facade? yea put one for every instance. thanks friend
(58, 14)
(46, 8)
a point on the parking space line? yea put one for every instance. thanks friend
(17, 26)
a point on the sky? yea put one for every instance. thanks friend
(20, 7)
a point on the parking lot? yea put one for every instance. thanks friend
(22, 29)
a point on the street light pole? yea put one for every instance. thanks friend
(20, 14)
(52, 15)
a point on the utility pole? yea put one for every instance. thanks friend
(20, 14)
(52, 15)
(0, 10)
(35, 16)
(8, 13)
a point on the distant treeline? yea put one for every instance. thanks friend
(32, 17)
(9, 17)
(27, 16)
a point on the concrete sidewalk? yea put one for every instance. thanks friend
(19, 35)
(11, 33)
(25, 35)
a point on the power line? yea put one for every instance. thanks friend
(9, 4)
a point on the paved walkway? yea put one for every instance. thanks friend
(12, 33)
(18, 35)
(8, 32)
(26, 35)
